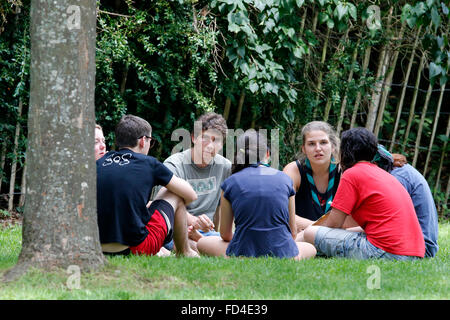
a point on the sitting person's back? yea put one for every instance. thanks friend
(382, 207)
(424, 205)
(125, 179)
(261, 202)
(259, 196)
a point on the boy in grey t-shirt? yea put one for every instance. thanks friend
(205, 170)
(204, 180)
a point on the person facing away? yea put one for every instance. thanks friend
(100, 146)
(420, 193)
(125, 179)
(376, 201)
(260, 201)
(205, 170)
(316, 174)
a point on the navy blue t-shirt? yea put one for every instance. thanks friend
(124, 183)
(423, 201)
(259, 198)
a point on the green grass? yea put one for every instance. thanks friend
(169, 278)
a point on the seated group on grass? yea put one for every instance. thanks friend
(345, 198)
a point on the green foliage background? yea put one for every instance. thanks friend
(170, 61)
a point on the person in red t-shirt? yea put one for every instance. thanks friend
(376, 201)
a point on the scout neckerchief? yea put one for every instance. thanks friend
(315, 192)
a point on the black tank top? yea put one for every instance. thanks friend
(304, 204)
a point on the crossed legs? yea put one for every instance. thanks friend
(180, 231)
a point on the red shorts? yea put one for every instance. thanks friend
(157, 232)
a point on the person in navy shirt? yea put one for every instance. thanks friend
(260, 201)
(125, 178)
(421, 196)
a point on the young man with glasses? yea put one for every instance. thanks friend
(125, 179)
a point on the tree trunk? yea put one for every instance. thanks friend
(2, 163)
(239, 111)
(339, 49)
(12, 180)
(422, 121)
(226, 111)
(376, 95)
(433, 133)
(381, 72)
(319, 80)
(413, 102)
(358, 95)
(447, 191)
(302, 23)
(23, 185)
(123, 83)
(399, 109)
(344, 101)
(60, 215)
(387, 85)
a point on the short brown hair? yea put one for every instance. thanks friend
(129, 129)
(212, 120)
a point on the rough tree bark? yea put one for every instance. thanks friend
(60, 220)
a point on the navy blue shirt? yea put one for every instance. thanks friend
(259, 198)
(124, 183)
(423, 201)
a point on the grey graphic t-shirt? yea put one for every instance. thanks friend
(205, 181)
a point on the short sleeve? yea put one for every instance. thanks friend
(225, 186)
(290, 185)
(161, 173)
(346, 196)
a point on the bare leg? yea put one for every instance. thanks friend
(212, 246)
(310, 234)
(180, 236)
(300, 237)
(306, 251)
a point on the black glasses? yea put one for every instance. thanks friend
(152, 141)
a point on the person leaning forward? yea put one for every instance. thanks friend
(125, 179)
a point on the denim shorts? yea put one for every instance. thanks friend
(342, 243)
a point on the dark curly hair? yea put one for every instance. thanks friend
(357, 144)
(212, 120)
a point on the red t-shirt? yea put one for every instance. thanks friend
(382, 207)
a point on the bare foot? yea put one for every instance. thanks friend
(188, 254)
(163, 252)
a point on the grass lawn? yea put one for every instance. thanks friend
(136, 278)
